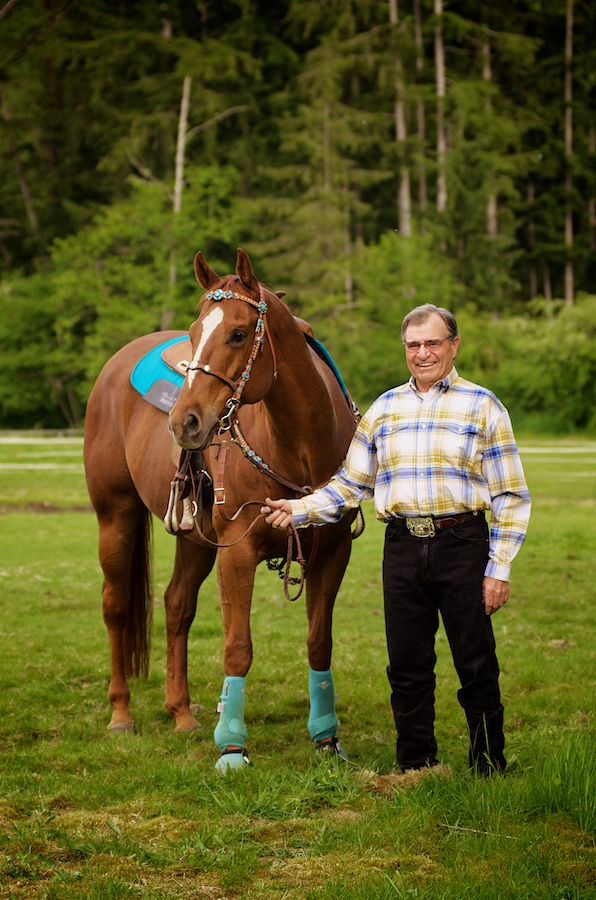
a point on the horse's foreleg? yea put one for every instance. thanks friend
(322, 720)
(236, 573)
(230, 732)
(192, 565)
(322, 587)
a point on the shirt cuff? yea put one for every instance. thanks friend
(500, 571)
(300, 514)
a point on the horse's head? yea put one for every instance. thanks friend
(232, 360)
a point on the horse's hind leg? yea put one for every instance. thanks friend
(193, 564)
(124, 554)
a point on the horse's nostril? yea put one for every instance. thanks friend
(192, 424)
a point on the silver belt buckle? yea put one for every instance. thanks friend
(421, 527)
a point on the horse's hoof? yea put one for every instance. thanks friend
(187, 729)
(122, 728)
(186, 723)
(331, 747)
(232, 759)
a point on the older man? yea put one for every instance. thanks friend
(436, 453)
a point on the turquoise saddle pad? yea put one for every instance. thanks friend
(155, 380)
(160, 385)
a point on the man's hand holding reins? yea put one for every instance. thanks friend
(278, 513)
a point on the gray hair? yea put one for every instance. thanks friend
(422, 313)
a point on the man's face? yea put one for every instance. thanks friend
(429, 365)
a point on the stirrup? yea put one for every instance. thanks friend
(332, 747)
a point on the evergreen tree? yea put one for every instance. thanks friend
(327, 162)
(133, 134)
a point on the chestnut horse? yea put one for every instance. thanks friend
(253, 386)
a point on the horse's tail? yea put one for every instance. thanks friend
(140, 608)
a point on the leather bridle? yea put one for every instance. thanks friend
(237, 387)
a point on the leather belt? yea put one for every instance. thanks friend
(428, 526)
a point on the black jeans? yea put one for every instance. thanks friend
(422, 577)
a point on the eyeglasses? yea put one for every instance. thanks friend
(433, 344)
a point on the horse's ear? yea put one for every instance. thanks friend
(244, 271)
(204, 273)
(280, 294)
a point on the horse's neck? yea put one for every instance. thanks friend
(303, 425)
(299, 392)
(307, 426)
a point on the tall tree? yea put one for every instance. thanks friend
(403, 194)
(568, 153)
(167, 315)
(420, 114)
(440, 83)
(326, 168)
(492, 225)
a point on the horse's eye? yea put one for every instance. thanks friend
(237, 336)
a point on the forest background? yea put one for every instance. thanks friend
(369, 155)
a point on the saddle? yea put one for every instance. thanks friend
(159, 380)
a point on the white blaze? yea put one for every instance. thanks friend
(210, 323)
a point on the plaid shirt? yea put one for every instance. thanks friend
(440, 453)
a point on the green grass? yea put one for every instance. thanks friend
(84, 815)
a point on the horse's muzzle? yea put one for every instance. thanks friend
(190, 431)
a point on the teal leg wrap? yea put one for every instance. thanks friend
(322, 721)
(231, 730)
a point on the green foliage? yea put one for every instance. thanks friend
(542, 366)
(548, 365)
(398, 273)
(106, 286)
(26, 389)
(389, 279)
(291, 152)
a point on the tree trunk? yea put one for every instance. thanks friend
(403, 195)
(327, 148)
(6, 7)
(348, 277)
(420, 117)
(167, 315)
(548, 294)
(181, 144)
(592, 199)
(18, 169)
(440, 82)
(532, 241)
(568, 155)
(492, 223)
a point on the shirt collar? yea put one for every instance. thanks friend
(442, 385)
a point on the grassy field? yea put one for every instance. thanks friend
(83, 815)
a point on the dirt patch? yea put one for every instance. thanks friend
(42, 508)
(389, 785)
